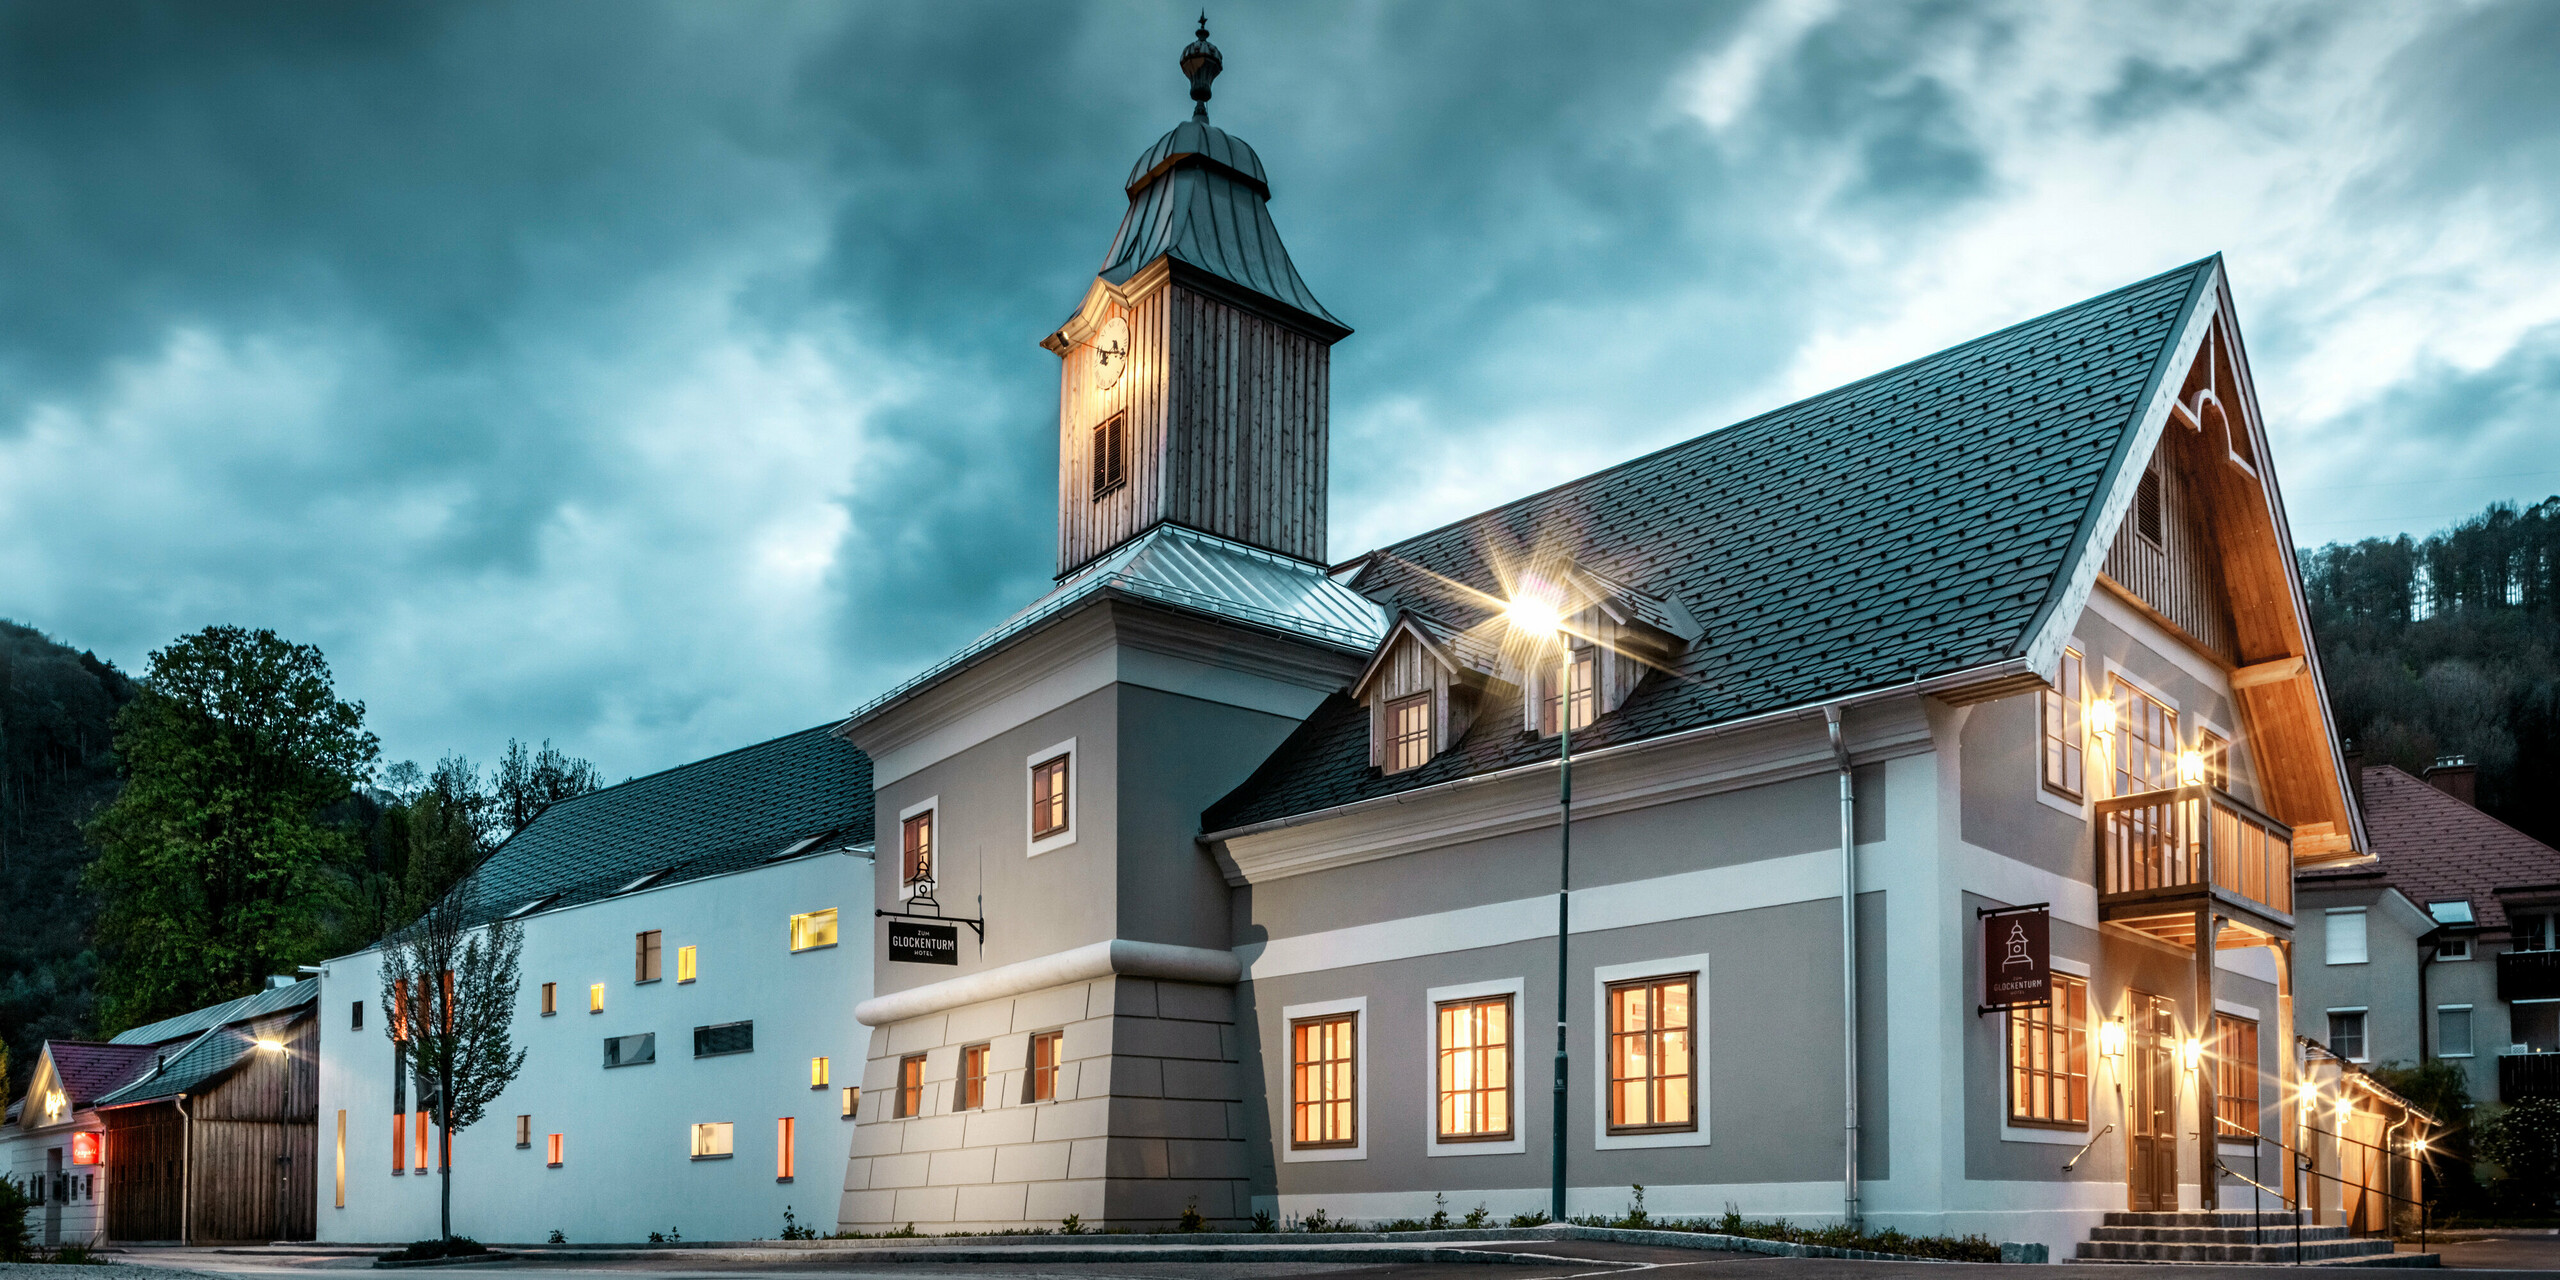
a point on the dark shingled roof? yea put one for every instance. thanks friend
(89, 1070)
(1911, 524)
(1199, 195)
(723, 814)
(2434, 848)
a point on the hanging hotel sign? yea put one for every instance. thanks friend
(918, 942)
(2017, 957)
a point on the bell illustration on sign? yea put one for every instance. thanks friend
(2017, 950)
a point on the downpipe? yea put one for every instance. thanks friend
(1849, 1206)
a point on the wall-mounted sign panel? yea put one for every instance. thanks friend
(915, 942)
(2017, 957)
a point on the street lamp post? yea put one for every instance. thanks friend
(1534, 616)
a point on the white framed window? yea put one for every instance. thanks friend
(1669, 1082)
(1319, 1093)
(1052, 810)
(2453, 1031)
(2346, 1034)
(2343, 938)
(919, 842)
(1467, 1059)
(713, 1140)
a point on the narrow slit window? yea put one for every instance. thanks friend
(2149, 520)
(1475, 1070)
(910, 1086)
(2049, 1059)
(818, 1072)
(850, 1099)
(550, 998)
(1324, 1081)
(1110, 454)
(1048, 798)
(2216, 751)
(2065, 741)
(645, 949)
(1408, 733)
(685, 970)
(1048, 1052)
(1652, 1072)
(554, 1154)
(524, 1131)
(786, 1148)
(595, 998)
(355, 1017)
(973, 1077)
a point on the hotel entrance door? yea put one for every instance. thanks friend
(2152, 1100)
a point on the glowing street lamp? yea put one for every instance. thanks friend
(1535, 617)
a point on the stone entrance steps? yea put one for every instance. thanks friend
(2241, 1236)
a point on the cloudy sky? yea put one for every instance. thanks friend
(656, 379)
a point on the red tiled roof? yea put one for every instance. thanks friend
(2432, 848)
(89, 1071)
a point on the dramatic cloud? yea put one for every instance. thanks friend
(658, 378)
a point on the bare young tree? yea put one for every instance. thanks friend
(448, 1001)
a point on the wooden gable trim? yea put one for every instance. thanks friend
(1386, 650)
(31, 1107)
(2127, 597)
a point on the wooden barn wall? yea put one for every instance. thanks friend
(2181, 578)
(1247, 457)
(144, 1155)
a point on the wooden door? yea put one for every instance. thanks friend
(2151, 1166)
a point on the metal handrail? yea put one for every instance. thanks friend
(2084, 1147)
(2280, 1196)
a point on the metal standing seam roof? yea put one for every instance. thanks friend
(1191, 570)
(255, 1004)
(1910, 524)
(207, 1057)
(727, 813)
(1199, 196)
(2434, 848)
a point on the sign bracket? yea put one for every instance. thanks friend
(924, 897)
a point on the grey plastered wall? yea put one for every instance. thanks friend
(1176, 756)
(2473, 982)
(1147, 1119)
(2120, 964)
(1769, 1077)
(2385, 985)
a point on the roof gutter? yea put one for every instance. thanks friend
(2006, 668)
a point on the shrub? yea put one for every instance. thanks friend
(1191, 1219)
(424, 1250)
(14, 1238)
(1523, 1221)
(791, 1228)
(1264, 1222)
(77, 1255)
(2524, 1140)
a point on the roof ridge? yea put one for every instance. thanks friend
(1766, 415)
(2438, 795)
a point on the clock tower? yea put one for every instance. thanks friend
(1192, 380)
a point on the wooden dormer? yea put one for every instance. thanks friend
(1620, 632)
(1422, 665)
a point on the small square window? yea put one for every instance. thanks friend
(812, 929)
(712, 1140)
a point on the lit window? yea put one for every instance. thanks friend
(1110, 454)
(2065, 745)
(2216, 751)
(1048, 1050)
(711, 1140)
(817, 1073)
(2235, 1076)
(1475, 1070)
(2346, 1033)
(1583, 672)
(1324, 1081)
(524, 1131)
(2146, 747)
(724, 1038)
(399, 1142)
(910, 1086)
(916, 845)
(850, 1098)
(2049, 1058)
(631, 1051)
(684, 964)
(786, 1147)
(644, 956)
(425, 1142)
(595, 998)
(1409, 733)
(554, 1156)
(1652, 1073)
(973, 1077)
(1048, 798)
(813, 929)
(550, 998)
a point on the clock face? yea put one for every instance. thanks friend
(1110, 353)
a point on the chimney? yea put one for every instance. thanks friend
(2355, 772)
(2456, 776)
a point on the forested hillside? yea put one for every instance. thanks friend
(2444, 646)
(57, 768)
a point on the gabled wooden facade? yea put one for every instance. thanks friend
(232, 1157)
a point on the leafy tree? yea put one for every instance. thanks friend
(2524, 1140)
(448, 1002)
(216, 863)
(530, 781)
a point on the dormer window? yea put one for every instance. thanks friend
(1110, 455)
(1408, 733)
(1582, 672)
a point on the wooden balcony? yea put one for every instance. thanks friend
(2163, 856)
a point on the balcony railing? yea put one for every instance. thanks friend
(2171, 844)
(2528, 975)
(2528, 1075)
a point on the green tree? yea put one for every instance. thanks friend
(526, 782)
(217, 862)
(2524, 1140)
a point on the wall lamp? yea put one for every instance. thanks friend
(2191, 768)
(2102, 717)
(2111, 1038)
(2191, 1054)
(272, 1046)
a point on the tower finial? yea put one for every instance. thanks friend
(1200, 61)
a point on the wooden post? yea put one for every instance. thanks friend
(2208, 1144)
(2286, 1106)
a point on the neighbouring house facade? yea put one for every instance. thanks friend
(52, 1143)
(1265, 851)
(686, 1011)
(2447, 947)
